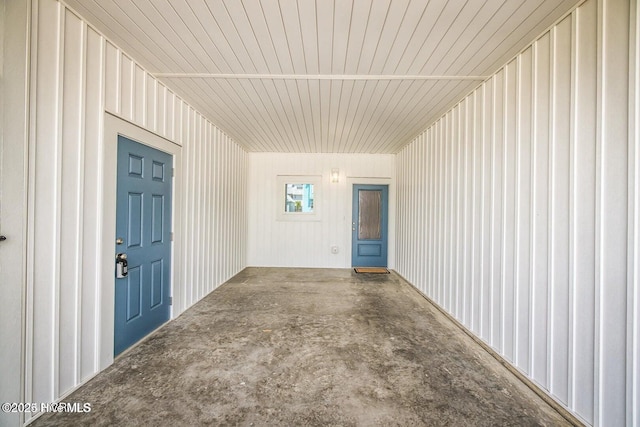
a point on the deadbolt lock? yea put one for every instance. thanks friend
(122, 266)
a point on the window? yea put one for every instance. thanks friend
(298, 197)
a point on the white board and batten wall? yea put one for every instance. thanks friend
(522, 212)
(82, 86)
(278, 243)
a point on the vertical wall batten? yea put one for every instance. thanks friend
(80, 76)
(454, 179)
(208, 253)
(532, 247)
(598, 389)
(80, 205)
(57, 205)
(466, 243)
(551, 208)
(517, 212)
(30, 299)
(573, 89)
(502, 159)
(444, 197)
(100, 147)
(197, 171)
(495, 249)
(633, 303)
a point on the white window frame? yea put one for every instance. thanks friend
(282, 181)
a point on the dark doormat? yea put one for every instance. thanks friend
(374, 270)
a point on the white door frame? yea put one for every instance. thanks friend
(114, 126)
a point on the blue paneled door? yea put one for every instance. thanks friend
(369, 225)
(143, 233)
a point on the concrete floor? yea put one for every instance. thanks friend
(308, 347)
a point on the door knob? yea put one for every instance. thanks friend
(2, 238)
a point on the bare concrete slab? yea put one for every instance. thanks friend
(319, 347)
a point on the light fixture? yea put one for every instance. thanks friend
(335, 175)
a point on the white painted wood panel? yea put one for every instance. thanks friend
(548, 212)
(277, 243)
(181, 38)
(612, 211)
(43, 282)
(540, 228)
(583, 211)
(90, 289)
(486, 195)
(508, 211)
(14, 94)
(560, 208)
(78, 77)
(523, 199)
(71, 179)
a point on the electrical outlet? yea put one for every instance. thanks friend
(334, 249)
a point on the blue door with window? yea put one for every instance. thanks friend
(143, 234)
(369, 225)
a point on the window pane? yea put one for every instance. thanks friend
(298, 198)
(369, 214)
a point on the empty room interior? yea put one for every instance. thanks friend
(320, 212)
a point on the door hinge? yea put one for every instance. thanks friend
(172, 236)
(173, 171)
(170, 300)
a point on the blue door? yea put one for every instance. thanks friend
(143, 233)
(369, 226)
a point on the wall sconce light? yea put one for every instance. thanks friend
(335, 175)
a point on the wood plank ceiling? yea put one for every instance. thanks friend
(325, 75)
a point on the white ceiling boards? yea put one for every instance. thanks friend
(326, 75)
